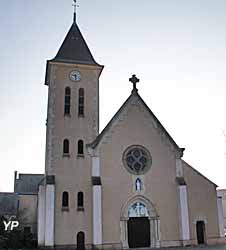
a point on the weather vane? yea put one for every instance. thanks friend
(75, 9)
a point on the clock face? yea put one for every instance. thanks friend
(75, 76)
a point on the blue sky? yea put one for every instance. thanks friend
(177, 48)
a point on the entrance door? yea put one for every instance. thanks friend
(200, 229)
(138, 232)
(80, 241)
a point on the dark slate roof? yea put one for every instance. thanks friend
(74, 49)
(134, 93)
(28, 183)
(8, 204)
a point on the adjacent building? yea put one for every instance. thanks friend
(22, 204)
(222, 196)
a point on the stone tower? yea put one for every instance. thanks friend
(65, 196)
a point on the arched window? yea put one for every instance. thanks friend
(65, 199)
(66, 147)
(80, 241)
(81, 102)
(138, 209)
(80, 200)
(138, 184)
(80, 147)
(67, 101)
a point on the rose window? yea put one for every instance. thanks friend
(137, 159)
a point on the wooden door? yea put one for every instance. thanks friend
(138, 232)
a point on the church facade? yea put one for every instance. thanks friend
(126, 187)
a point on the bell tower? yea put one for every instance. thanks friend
(65, 196)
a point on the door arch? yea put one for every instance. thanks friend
(80, 241)
(139, 212)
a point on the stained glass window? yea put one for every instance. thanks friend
(137, 159)
(80, 199)
(66, 146)
(67, 101)
(65, 199)
(80, 147)
(81, 102)
(138, 209)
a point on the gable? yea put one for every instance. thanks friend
(134, 100)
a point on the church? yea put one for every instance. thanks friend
(124, 187)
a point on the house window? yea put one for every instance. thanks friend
(81, 102)
(65, 199)
(80, 147)
(67, 101)
(80, 201)
(66, 147)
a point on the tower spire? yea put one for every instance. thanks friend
(75, 9)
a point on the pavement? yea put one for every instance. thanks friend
(202, 247)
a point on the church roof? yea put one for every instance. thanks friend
(74, 48)
(98, 139)
(197, 172)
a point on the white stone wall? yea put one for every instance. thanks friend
(49, 215)
(41, 215)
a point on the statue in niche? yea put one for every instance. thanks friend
(138, 184)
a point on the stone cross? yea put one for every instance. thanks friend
(134, 80)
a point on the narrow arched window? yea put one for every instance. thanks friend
(80, 200)
(81, 99)
(80, 241)
(65, 199)
(67, 101)
(66, 147)
(80, 147)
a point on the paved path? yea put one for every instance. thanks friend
(218, 247)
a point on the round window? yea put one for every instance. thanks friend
(137, 159)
